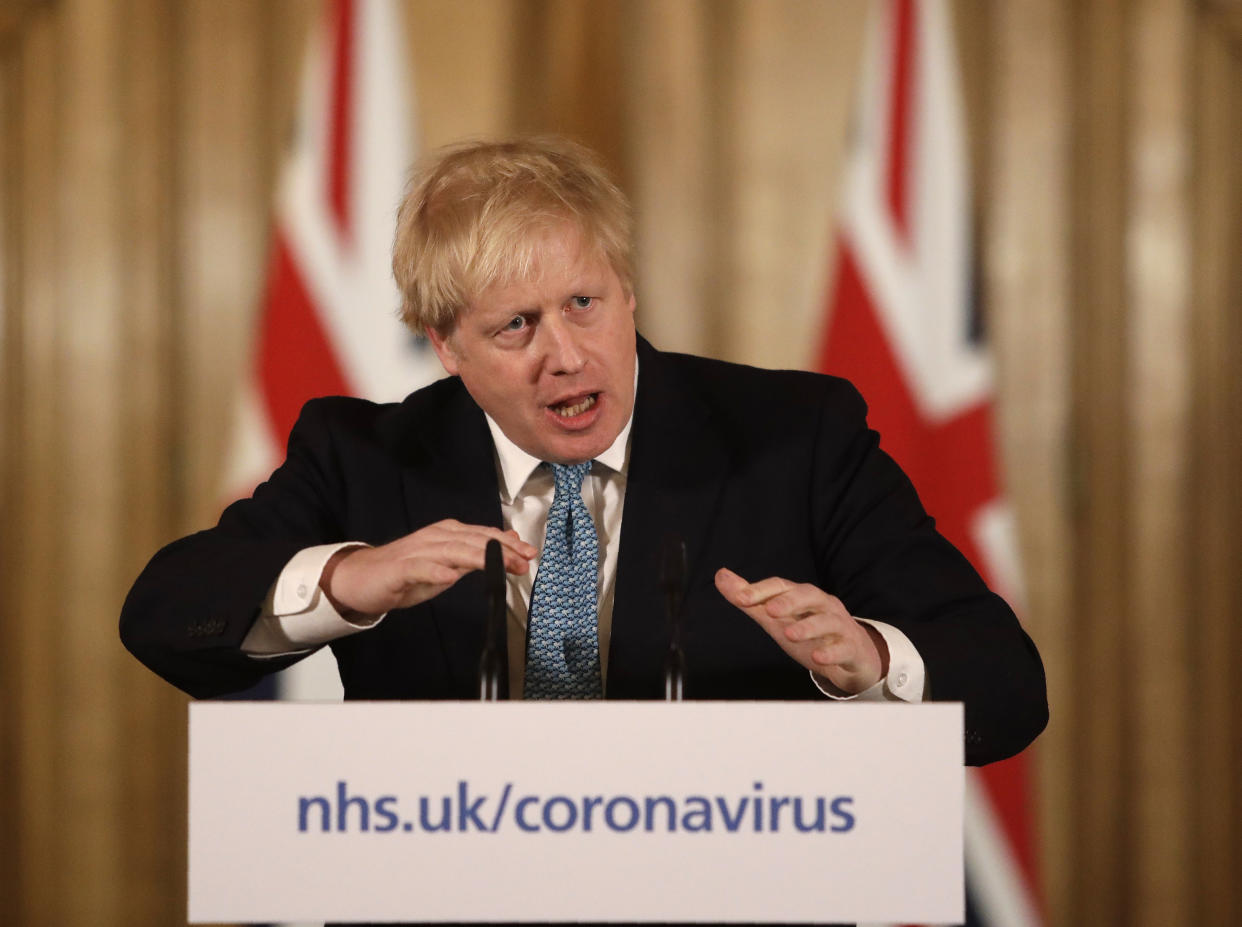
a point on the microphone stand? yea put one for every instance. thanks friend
(492, 660)
(672, 582)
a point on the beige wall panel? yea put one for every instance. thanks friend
(89, 211)
(790, 88)
(145, 237)
(1225, 16)
(1103, 651)
(152, 713)
(1216, 460)
(9, 742)
(675, 165)
(10, 358)
(223, 207)
(462, 57)
(1026, 283)
(1158, 282)
(37, 505)
(567, 72)
(286, 32)
(975, 24)
(8, 244)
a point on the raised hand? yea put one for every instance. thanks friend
(813, 627)
(370, 581)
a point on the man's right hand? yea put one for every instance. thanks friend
(369, 581)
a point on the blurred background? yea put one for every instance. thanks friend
(140, 142)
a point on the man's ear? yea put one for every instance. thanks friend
(443, 346)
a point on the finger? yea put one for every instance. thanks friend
(804, 599)
(836, 653)
(747, 595)
(765, 589)
(516, 565)
(509, 539)
(446, 542)
(735, 590)
(783, 600)
(515, 553)
(462, 555)
(812, 619)
(430, 573)
(816, 625)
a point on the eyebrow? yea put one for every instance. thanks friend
(588, 283)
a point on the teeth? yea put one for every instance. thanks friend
(576, 409)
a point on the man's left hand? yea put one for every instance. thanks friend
(813, 627)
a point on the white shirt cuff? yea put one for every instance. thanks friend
(296, 616)
(906, 677)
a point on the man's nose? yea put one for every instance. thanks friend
(564, 353)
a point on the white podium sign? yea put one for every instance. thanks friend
(576, 811)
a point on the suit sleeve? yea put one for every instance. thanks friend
(192, 606)
(881, 554)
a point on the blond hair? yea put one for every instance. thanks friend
(476, 215)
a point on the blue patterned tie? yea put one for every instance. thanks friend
(562, 639)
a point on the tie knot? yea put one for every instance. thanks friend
(569, 477)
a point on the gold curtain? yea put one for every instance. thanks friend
(139, 142)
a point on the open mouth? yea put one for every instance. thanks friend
(575, 405)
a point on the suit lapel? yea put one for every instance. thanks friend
(677, 469)
(448, 471)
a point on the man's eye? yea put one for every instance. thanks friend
(515, 324)
(582, 302)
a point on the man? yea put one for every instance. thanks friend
(813, 571)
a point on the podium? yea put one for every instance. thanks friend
(576, 811)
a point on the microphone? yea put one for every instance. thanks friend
(493, 659)
(672, 582)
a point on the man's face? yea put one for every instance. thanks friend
(551, 358)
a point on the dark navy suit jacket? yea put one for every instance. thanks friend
(770, 473)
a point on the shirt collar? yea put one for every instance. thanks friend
(516, 466)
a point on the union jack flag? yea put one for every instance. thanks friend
(904, 325)
(328, 323)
